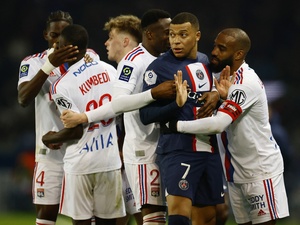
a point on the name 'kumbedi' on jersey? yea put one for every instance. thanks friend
(94, 80)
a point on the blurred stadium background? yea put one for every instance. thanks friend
(273, 26)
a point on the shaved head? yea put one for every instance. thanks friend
(242, 40)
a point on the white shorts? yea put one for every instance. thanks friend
(130, 204)
(46, 183)
(145, 182)
(97, 194)
(260, 201)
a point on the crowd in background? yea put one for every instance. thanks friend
(273, 26)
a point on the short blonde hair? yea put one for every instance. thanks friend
(126, 23)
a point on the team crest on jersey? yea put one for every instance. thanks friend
(63, 103)
(183, 185)
(155, 191)
(150, 77)
(238, 96)
(126, 73)
(200, 74)
(24, 70)
(40, 192)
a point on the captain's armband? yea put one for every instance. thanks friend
(231, 108)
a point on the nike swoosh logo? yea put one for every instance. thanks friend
(200, 86)
(222, 194)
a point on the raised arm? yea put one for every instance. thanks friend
(160, 112)
(212, 98)
(27, 91)
(225, 82)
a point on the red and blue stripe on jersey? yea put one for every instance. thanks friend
(53, 86)
(134, 53)
(40, 55)
(239, 76)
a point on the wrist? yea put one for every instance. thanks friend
(217, 94)
(83, 118)
(47, 67)
(153, 94)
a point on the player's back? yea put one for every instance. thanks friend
(86, 86)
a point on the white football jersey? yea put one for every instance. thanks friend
(140, 140)
(86, 86)
(46, 115)
(251, 153)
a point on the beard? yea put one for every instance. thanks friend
(217, 65)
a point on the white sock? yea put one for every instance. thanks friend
(44, 222)
(157, 218)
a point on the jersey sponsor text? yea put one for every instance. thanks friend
(98, 143)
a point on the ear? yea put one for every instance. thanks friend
(239, 55)
(126, 42)
(198, 35)
(148, 34)
(45, 33)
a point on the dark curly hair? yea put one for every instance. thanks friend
(58, 16)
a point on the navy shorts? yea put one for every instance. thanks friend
(195, 175)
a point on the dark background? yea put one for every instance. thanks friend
(273, 26)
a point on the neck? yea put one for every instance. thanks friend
(79, 56)
(193, 53)
(149, 48)
(236, 66)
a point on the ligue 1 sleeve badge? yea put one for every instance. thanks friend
(150, 77)
(183, 185)
(24, 70)
(126, 73)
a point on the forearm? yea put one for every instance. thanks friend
(157, 113)
(103, 112)
(208, 125)
(28, 90)
(125, 103)
(66, 134)
(121, 103)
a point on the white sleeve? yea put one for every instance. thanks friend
(121, 102)
(209, 125)
(103, 112)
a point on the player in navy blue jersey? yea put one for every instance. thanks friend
(190, 164)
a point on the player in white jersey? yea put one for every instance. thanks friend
(124, 35)
(92, 181)
(34, 82)
(140, 140)
(252, 159)
(222, 210)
